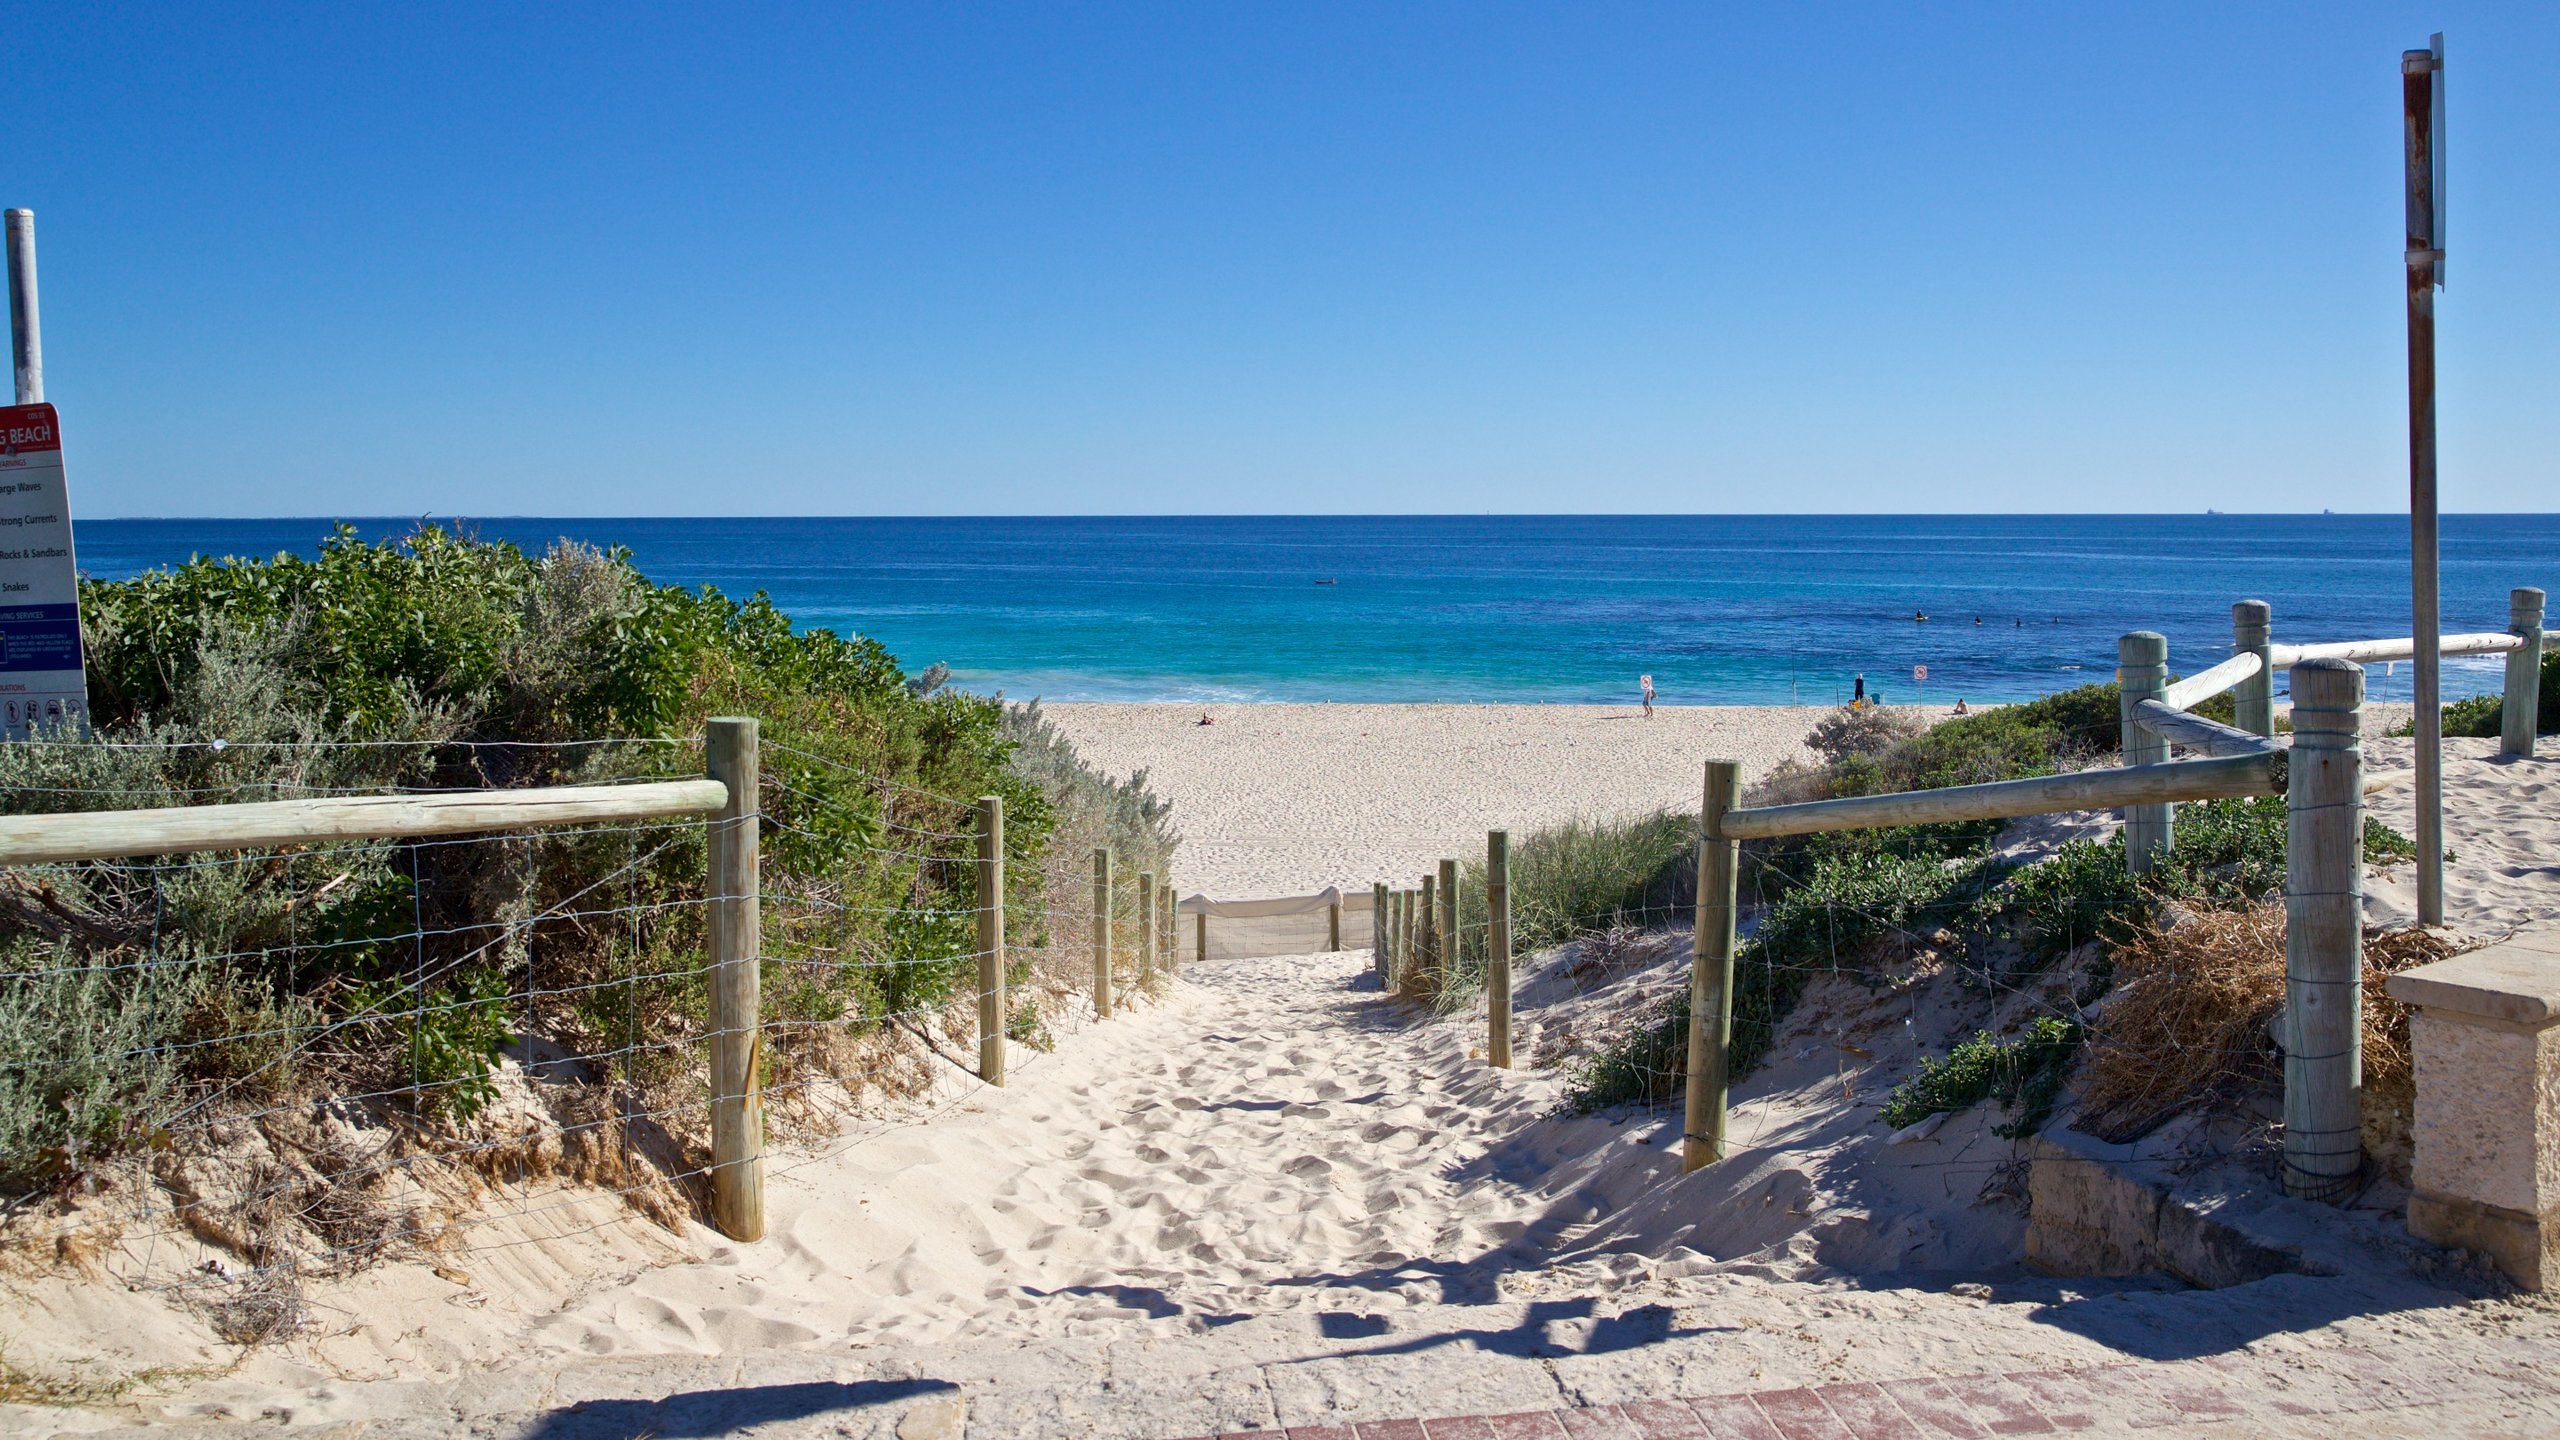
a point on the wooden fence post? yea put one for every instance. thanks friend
(1711, 974)
(1200, 936)
(2324, 933)
(1409, 948)
(1426, 944)
(2523, 703)
(1449, 930)
(737, 936)
(1171, 919)
(1102, 932)
(1333, 925)
(1147, 928)
(991, 1006)
(2142, 673)
(1497, 948)
(2253, 701)
(1378, 928)
(1399, 939)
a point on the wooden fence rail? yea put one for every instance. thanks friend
(2237, 775)
(265, 824)
(726, 799)
(2323, 779)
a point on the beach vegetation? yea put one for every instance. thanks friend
(1848, 915)
(2483, 717)
(1873, 907)
(2023, 1072)
(1862, 730)
(1581, 878)
(407, 973)
(2190, 1023)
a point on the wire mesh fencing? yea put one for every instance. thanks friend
(225, 1071)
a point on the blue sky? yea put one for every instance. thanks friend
(1275, 258)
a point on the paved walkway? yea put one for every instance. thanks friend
(2501, 1387)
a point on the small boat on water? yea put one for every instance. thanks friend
(1328, 582)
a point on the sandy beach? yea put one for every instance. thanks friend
(1281, 1198)
(1287, 799)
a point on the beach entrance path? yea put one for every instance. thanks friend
(1278, 1136)
(1281, 1200)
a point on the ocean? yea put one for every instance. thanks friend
(1718, 610)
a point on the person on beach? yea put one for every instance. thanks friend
(1205, 720)
(1960, 706)
(1646, 682)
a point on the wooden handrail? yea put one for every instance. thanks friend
(2205, 684)
(115, 834)
(2222, 778)
(2210, 737)
(2489, 642)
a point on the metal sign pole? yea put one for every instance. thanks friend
(26, 337)
(2422, 108)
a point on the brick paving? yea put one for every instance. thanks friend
(2237, 1388)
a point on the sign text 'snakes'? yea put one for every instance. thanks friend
(43, 685)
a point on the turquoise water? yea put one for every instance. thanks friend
(1529, 608)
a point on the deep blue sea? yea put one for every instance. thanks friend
(1760, 609)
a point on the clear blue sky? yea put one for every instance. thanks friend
(1278, 257)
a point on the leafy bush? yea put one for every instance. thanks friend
(80, 1078)
(2007, 742)
(440, 661)
(1829, 922)
(1862, 730)
(1089, 810)
(2024, 1074)
(2484, 716)
(1850, 900)
(2224, 852)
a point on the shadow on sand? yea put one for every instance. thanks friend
(724, 1412)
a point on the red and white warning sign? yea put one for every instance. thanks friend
(43, 684)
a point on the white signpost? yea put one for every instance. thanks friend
(43, 684)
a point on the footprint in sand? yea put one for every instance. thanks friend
(1308, 1167)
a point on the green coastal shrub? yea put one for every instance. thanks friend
(440, 661)
(2483, 717)
(2225, 851)
(2024, 1074)
(1835, 917)
(1828, 923)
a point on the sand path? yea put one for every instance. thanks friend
(1269, 1136)
(1270, 1202)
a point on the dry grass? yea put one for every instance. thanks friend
(2188, 1023)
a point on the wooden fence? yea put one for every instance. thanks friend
(727, 800)
(2321, 775)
